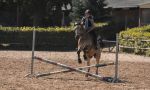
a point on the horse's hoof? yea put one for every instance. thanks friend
(79, 61)
(86, 75)
(96, 73)
(85, 58)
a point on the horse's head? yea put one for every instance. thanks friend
(79, 30)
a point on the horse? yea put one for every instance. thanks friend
(86, 44)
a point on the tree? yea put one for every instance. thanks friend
(35, 9)
(77, 10)
(43, 11)
(96, 6)
(7, 7)
(33, 12)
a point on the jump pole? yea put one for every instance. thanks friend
(33, 49)
(116, 61)
(68, 70)
(69, 67)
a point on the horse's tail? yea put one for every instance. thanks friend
(100, 41)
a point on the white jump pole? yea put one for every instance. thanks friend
(33, 49)
(68, 70)
(116, 62)
(69, 67)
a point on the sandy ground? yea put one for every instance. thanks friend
(134, 72)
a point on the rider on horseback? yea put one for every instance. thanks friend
(87, 38)
(88, 23)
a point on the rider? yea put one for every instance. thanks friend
(88, 23)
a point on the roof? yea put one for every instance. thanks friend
(125, 3)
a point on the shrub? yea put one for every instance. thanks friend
(55, 38)
(40, 29)
(138, 37)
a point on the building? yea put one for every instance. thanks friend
(129, 13)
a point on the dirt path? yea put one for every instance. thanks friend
(134, 72)
(72, 55)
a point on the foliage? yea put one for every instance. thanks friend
(96, 6)
(37, 12)
(78, 10)
(138, 37)
(54, 38)
(51, 38)
(40, 29)
(101, 24)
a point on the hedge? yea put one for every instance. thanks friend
(47, 38)
(138, 37)
(50, 38)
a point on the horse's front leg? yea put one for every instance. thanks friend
(79, 59)
(84, 55)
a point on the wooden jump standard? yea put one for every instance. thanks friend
(80, 69)
(69, 68)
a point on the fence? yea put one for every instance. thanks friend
(136, 46)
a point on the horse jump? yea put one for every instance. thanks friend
(70, 68)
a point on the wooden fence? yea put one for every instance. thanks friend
(136, 45)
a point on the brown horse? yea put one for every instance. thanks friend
(86, 44)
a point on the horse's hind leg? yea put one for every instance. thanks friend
(97, 56)
(97, 62)
(79, 59)
(88, 64)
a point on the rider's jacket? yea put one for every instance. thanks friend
(87, 22)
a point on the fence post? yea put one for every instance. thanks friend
(33, 48)
(116, 62)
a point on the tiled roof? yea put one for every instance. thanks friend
(125, 3)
